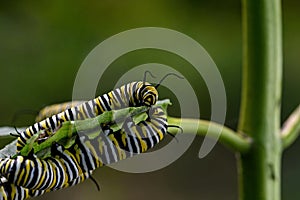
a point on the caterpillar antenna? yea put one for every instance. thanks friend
(169, 74)
(145, 75)
(172, 135)
(96, 183)
(15, 135)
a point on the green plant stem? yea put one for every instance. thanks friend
(259, 169)
(291, 128)
(226, 136)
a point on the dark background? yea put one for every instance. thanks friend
(42, 45)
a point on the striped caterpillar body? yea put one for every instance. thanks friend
(10, 191)
(66, 167)
(48, 111)
(129, 95)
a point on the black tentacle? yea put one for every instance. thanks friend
(169, 74)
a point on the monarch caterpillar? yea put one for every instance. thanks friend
(86, 154)
(10, 191)
(48, 111)
(132, 94)
(67, 167)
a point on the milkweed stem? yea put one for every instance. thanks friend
(291, 128)
(226, 136)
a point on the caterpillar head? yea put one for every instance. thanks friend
(148, 95)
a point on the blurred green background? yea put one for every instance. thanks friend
(42, 45)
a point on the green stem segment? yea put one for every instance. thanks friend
(291, 128)
(259, 169)
(227, 137)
